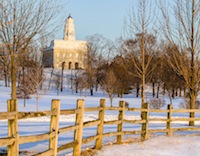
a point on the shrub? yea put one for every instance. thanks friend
(156, 103)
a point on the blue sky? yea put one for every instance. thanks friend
(104, 17)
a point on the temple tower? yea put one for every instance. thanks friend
(69, 33)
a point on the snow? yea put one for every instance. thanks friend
(159, 145)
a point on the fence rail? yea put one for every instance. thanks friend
(14, 140)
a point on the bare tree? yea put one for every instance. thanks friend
(141, 44)
(139, 48)
(109, 84)
(35, 77)
(23, 90)
(77, 79)
(82, 83)
(57, 82)
(95, 49)
(184, 31)
(23, 22)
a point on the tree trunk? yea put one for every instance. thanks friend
(192, 106)
(76, 86)
(50, 79)
(158, 90)
(180, 92)
(176, 92)
(91, 91)
(18, 78)
(192, 67)
(153, 87)
(184, 91)
(173, 93)
(143, 71)
(24, 101)
(142, 94)
(13, 77)
(111, 99)
(137, 90)
(164, 90)
(96, 87)
(121, 94)
(61, 88)
(5, 76)
(9, 81)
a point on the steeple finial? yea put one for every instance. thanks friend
(69, 16)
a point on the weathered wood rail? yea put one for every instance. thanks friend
(14, 140)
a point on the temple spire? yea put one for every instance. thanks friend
(69, 29)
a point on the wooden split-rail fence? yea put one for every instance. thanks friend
(14, 140)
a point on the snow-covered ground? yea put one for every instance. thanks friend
(156, 146)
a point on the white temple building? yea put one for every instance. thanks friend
(69, 52)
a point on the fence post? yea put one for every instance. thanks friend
(13, 150)
(120, 118)
(54, 126)
(79, 132)
(169, 118)
(100, 127)
(145, 115)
